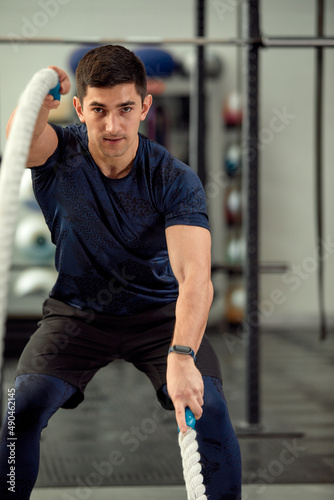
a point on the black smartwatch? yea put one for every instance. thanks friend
(182, 349)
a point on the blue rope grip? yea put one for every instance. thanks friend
(55, 92)
(190, 419)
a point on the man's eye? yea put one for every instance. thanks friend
(126, 109)
(98, 110)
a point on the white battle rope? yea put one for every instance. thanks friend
(11, 172)
(192, 469)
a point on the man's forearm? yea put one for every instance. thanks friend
(44, 140)
(41, 123)
(192, 311)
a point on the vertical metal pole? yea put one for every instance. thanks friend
(200, 94)
(319, 163)
(251, 191)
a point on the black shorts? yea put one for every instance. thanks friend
(73, 345)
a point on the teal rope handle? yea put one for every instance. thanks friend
(190, 419)
(55, 92)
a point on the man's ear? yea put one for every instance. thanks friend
(146, 106)
(78, 108)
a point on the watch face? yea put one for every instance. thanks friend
(182, 349)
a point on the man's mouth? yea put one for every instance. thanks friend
(113, 140)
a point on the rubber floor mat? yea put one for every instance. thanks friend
(121, 436)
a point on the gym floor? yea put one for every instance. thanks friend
(273, 492)
(297, 420)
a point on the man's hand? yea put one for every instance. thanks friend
(65, 86)
(185, 387)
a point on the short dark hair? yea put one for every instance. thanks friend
(108, 66)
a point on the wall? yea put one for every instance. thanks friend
(287, 83)
(288, 230)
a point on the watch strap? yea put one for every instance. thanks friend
(181, 349)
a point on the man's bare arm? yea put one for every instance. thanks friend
(189, 249)
(44, 141)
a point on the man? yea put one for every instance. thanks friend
(133, 255)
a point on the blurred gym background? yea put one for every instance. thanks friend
(289, 349)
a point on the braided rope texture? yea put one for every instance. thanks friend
(12, 168)
(191, 465)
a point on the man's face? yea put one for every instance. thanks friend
(113, 116)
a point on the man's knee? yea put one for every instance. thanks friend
(214, 400)
(37, 397)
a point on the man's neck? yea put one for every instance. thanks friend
(114, 171)
(115, 167)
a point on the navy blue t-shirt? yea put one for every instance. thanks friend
(111, 252)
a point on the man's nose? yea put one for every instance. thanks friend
(112, 124)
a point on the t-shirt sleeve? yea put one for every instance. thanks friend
(185, 201)
(55, 157)
(69, 146)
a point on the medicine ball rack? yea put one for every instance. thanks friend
(251, 42)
